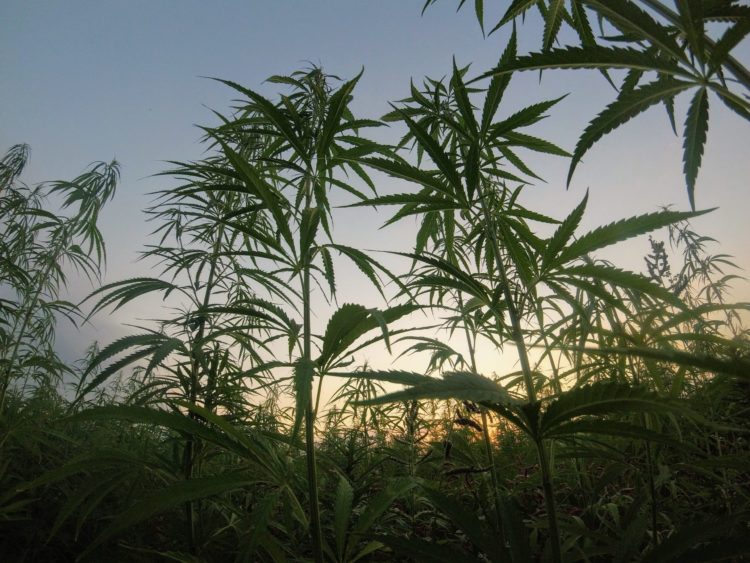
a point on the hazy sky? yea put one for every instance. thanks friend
(86, 81)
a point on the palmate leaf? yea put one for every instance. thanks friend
(523, 118)
(463, 102)
(630, 19)
(463, 279)
(552, 22)
(621, 278)
(432, 147)
(394, 489)
(498, 85)
(272, 113)
(611, 428)
(590, 57)
(603, 398)
(405, 171)
(624, 229)
(337, 105)
(264, 191)
(400, 377)
(145, 345)
(694, 139)
(342, 330)
(737, 367)
(122, 292)
(624, 108)
(368, 266)
(459, 385)
(233, 441)
(564, 233)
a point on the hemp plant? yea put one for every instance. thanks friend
(514, 270)
(38, 248)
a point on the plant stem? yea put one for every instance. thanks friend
(312, 477)
(523, 357)
(549, 500)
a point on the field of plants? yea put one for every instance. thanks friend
(620, 433)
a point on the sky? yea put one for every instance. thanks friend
(85, 81)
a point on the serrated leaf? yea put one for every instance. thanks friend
(595, 57)
(394, 489)
(304, 370)
(694, 139)
(629, 18)
(624, 229)
(603, 398)
(342, 510)
(459, 385)
(552, 22)
(627, 106)
(564, 233)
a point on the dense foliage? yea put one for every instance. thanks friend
(622, 436)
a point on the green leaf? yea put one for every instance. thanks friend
(728, 41)
(629, 18)
(552, 22)
(273, 114)
(603, 398)
(564, 233)
(498, 85)
(395, 488)
(122, 292)
(336, 107)
(304, 370)
(523, 118)
(342, 510)
(459, 385)
(533, 143)
(696, 128)
(265, 192)
(145, 344)
(405, 171)
(438, 156)
(735, 366)
(516, 8)
(627, 106)
(342, 330)
(611, 428)
(462, 101)
(624, 279)
(595, 57)
(308, 229)
(624, 229)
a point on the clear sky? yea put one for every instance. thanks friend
(92, 80)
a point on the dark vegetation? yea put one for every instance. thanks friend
(622, 436)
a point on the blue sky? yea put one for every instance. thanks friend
(92, 80)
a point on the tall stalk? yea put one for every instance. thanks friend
(312, 472)
(517, 335)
